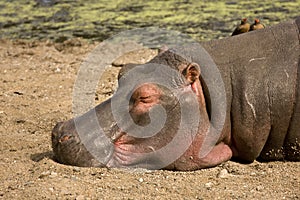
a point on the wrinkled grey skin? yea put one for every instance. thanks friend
(260, 71)
(261, 75)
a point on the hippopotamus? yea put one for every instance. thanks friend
(259, 112)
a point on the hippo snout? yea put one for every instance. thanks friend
(68, 148)
(60, 136)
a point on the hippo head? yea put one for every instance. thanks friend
(158, 118)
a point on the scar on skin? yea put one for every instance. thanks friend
(287, 75)
(251, 105)
(254, 59)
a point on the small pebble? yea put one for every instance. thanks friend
(252, 174)
(259, 188)
(28, 183)
(76, 169)
(208, 185)
(80, 197)
(65, 192)
(53, 175)
(141, 180)
(44, 174)
(51, 189)
(74, 178)
(223, 174)
(57, 70)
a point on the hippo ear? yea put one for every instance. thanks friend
(163, 49)
(192, 72)
(126, 68)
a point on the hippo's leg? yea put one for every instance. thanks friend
(220, 153)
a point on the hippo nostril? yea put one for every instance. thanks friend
(64, 138)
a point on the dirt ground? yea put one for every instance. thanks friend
(36, 88)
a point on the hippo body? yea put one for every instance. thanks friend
(260, 71)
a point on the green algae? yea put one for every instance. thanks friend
(98, 20)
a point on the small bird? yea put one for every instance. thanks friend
(242, 28)
(256, 25)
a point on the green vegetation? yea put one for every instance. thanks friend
(98, 20)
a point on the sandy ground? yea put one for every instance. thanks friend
(36, 87)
